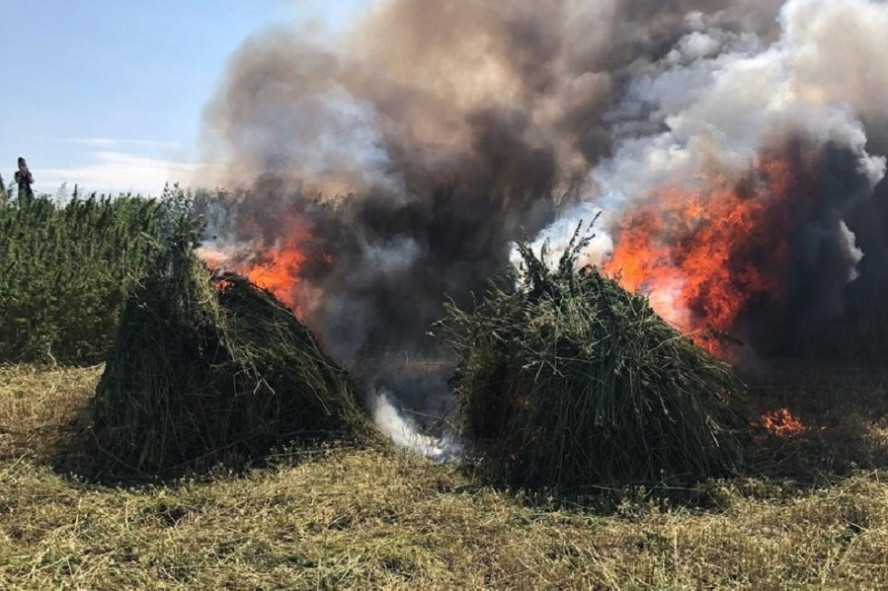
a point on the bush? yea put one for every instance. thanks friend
(65, 272)
(568, 381)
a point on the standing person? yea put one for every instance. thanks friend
(24, 179)
(2, 191)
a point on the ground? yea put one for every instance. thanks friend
(813, 514)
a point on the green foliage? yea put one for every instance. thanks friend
(211, 368)
(568, 382)
(65, 271)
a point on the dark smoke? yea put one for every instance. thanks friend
(824, 253)
(436, 135)
(420, 146)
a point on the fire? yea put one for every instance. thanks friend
(278, 272)
(276, 266)
(704, 254)
(783, 423)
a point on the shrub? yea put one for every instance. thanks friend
(65, 272)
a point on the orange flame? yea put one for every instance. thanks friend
(704, 254)
(783, 423)
(278, 272)
(276, 267)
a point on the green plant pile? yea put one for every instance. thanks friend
(210, 368)
(65, 272)
(569, 382)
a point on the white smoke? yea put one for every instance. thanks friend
(451, 129)
(555, 239)
(718, 97)
(722, 105)
(838, 50)
(404, 433)
(852, 251)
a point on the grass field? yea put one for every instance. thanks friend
(814, 515)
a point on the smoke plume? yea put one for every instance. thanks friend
(384, 170)
(739, 190)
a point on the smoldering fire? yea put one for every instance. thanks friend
(733, 147)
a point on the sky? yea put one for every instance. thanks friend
(109, 94)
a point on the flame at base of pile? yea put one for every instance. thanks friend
(783, 423)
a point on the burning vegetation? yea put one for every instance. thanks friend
(783, 423)
(728, 253)
(385, 171)
(374, 177)
(735, 180)
(570, 382)
(210, 368)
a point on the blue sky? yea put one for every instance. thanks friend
(109, 93)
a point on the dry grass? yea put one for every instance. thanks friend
(345, 519)
(40, 409)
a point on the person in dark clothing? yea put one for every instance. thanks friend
(24, 179)
(2, 191)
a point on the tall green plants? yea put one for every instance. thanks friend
(65, 271)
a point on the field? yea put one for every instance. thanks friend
(808, 510)
(815, 516)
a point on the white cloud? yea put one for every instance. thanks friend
(111, 143)
(117, 172)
